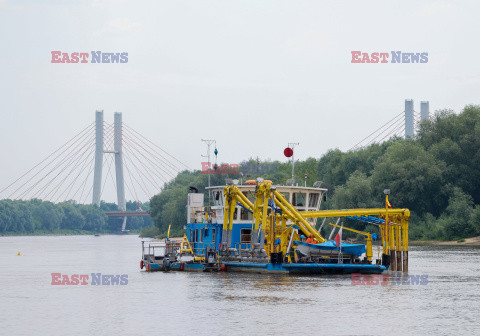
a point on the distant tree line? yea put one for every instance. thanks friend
(436, 175)
(37, 216)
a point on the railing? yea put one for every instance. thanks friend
(200, 248)
(151, 247)
(165, 248)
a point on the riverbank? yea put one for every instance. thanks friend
(474, 241)
(63, 233)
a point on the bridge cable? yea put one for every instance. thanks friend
(132, 129)
(68, 155)
(393, 120)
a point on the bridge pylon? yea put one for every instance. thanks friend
(118, 152)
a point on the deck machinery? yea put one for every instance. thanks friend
(260, 227)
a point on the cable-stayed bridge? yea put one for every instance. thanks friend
(403, 124)
(101, 152)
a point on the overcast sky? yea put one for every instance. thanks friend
(254, 75)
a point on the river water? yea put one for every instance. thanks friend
(179, 303)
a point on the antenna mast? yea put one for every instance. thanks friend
(209, 142)
(292, 146)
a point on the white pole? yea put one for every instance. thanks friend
(292, 146)
(209, 143)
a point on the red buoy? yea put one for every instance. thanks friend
(288, 152)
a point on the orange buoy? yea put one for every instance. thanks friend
(223, 267)
(141, 264)
(148, 267)
(181, 266)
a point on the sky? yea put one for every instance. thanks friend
(253, 75)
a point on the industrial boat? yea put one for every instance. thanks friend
(265, 228)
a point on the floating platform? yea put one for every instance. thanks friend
(283, 268)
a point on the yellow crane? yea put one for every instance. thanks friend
(269, 226)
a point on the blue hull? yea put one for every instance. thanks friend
(309, 268)
(177, 266)
(293, 268)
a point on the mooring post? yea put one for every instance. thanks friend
(386, 257)
(399, 247)
(405, 246)
(393, 256)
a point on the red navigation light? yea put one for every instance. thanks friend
(288, 152)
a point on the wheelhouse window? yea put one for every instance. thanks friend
(213, 235)
(299, 199)
(245, 214)
(313, 200)
(245, 236)
(218, 198)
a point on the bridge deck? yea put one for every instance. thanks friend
(127, 214)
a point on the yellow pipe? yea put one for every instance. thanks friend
(232, 212)
(243, 199)
(226, 212)
(354, 212)
(265, 191)
(392, 237)
(299, 223)
(386, 243)
(369, 248)
(405, 236)
(398, 247)
(299, 217)
(257, 207)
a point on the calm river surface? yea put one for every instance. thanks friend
(178, 303)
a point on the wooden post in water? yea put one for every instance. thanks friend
(393, 256)
(387, 240)
(405, 245)
(398, 247)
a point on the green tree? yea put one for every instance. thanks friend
(73, 218)
(459, 214)
(414, 177)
